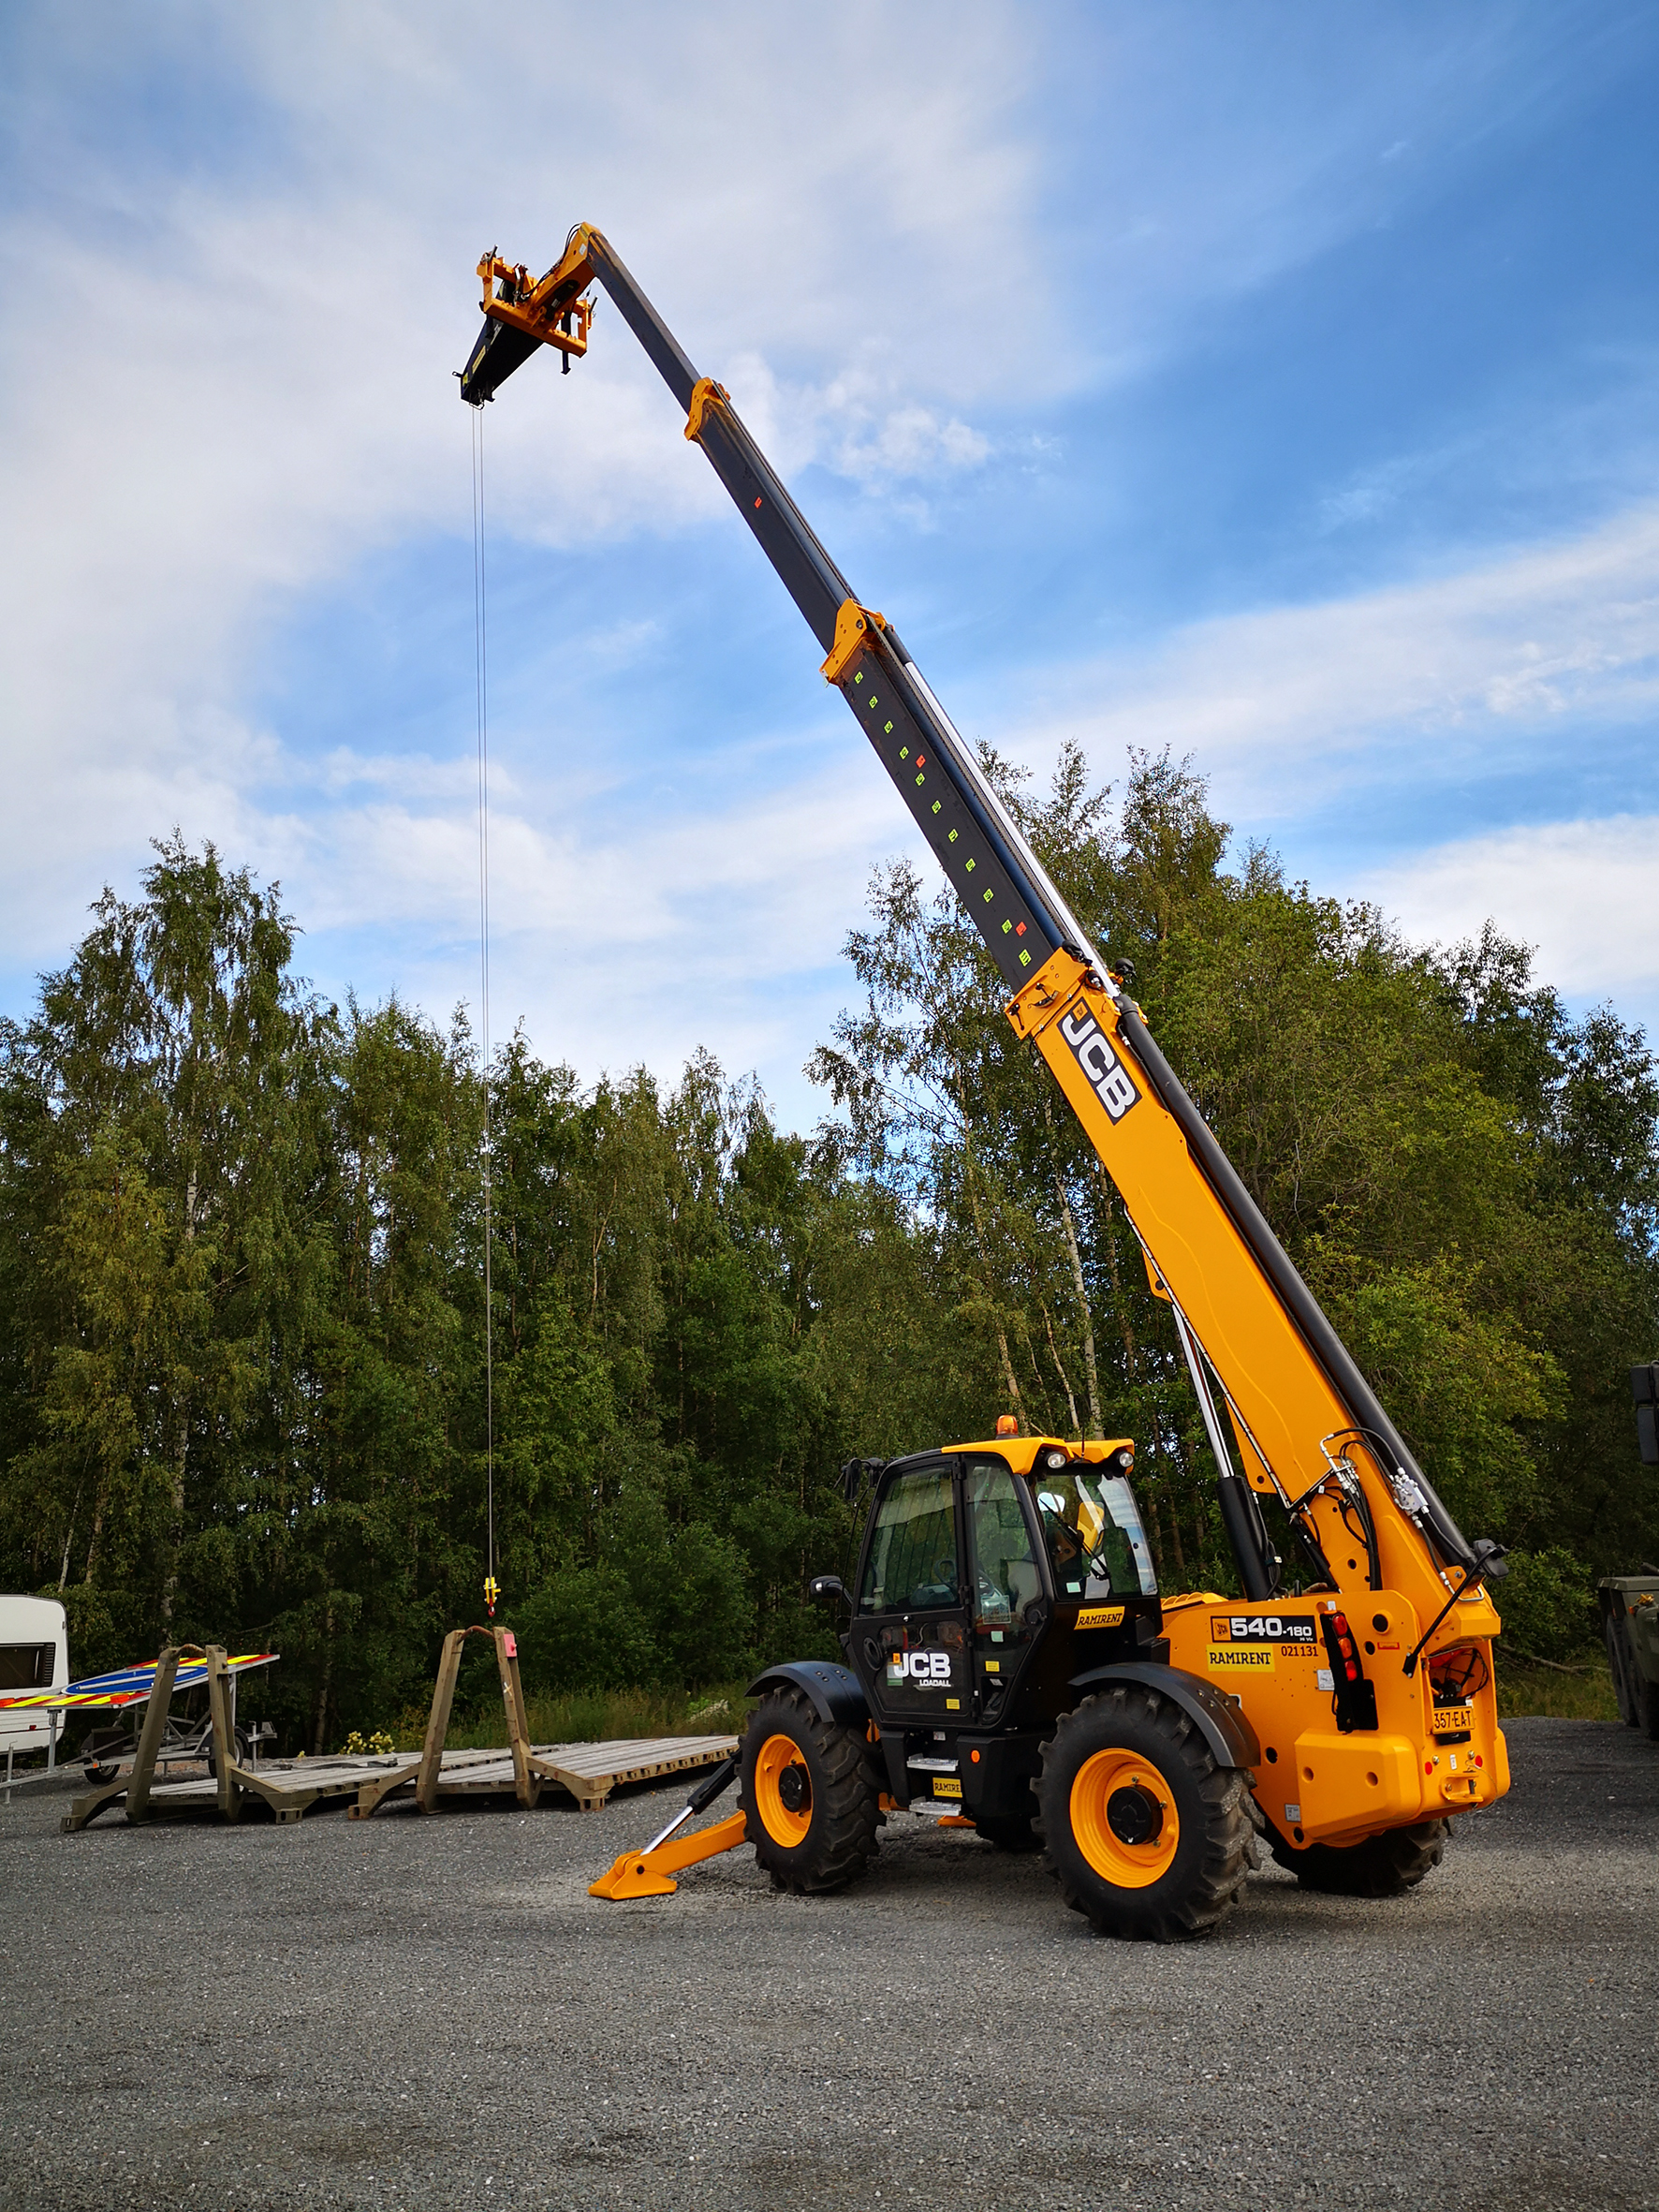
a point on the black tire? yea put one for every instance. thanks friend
(1649, 1707)
(1011, 1833)
(1386, 1866)
(240, 1752)
(1620, 1667)
(1205, 1850)
(98, 1774)
(825, 1838)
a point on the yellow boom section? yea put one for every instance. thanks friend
(1293, 1434)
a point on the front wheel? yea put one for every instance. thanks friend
(1386, 1866)
(1145, 1833)
(810, 1793)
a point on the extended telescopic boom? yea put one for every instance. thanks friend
(1305, 1425)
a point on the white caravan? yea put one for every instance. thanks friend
(34, 1655)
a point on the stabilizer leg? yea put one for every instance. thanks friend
(646, 1873)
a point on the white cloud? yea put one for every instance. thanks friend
(1439, 678)
(1585, 894)
(247, 389)
(235, 394)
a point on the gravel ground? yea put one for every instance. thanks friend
(430, 2012)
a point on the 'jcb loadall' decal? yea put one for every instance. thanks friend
(1114, 1087)
(921, 1670)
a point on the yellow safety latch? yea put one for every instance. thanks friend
(853, 628)
(704, 392)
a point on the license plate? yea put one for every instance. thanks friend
(946, 1786)
(1451, 1719)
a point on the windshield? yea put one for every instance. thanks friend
(1092, 1525)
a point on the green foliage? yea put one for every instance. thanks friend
(1547, 1601)
(243, 1382)
(1468, 1178)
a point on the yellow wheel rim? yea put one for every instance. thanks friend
(1136, 1848)
(778, 1754)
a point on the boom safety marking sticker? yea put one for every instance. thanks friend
(961, 843)
(1112, 1083)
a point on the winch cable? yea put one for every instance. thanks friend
(481, 690)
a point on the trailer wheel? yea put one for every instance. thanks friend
(1146, 1836)
(810, 1793)
(239, 1748)
(1619, 1665)
(1386, 1866)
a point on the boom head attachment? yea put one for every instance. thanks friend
(522, 314)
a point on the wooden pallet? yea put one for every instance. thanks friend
(290, 1787)
(589, 1772)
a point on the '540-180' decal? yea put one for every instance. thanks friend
(1111, 1082)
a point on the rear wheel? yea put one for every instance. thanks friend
(810, 1795)
(1384, 1865)
(1146, 1834)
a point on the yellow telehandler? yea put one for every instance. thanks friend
(1011, 1664)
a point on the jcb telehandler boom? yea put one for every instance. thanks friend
(1006, 1635)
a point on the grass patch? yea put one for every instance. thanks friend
(589, 1717)
(1526, 1690)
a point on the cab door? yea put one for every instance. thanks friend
(1009, 1590)
(911, 1625)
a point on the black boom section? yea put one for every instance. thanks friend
(784, 536)
(661, 346)
(1002, 902)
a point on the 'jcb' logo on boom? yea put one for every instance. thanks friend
(922, 1670)
(1113, 1086)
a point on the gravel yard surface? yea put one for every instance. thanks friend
(430, 2012)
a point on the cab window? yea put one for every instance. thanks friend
(911, 1562)
(1006, 1578)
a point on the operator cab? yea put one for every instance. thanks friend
(992, 1574)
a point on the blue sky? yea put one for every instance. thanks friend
(1276, 383)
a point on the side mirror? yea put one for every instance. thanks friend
(1491, 1562)
(827, 1589)
(855, 1473)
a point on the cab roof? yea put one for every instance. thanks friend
(1020, 1451)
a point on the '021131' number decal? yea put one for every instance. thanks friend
(1110, 1080)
